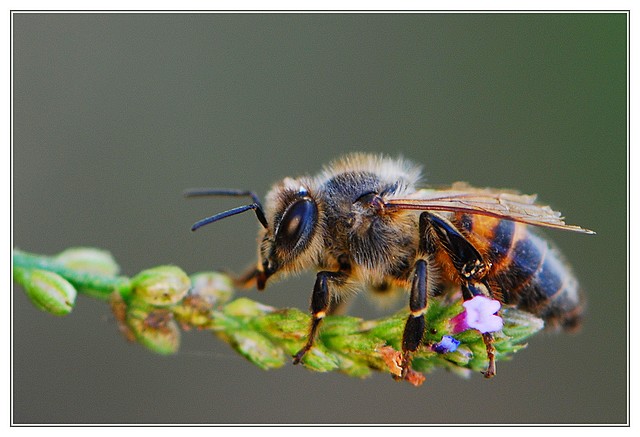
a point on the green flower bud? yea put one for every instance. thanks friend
(320, 359)
(257, 349)
(520, 324)
(214, 287)
(353, 344)
(244, 307)
(285, 324)
(356, 368)
(156, 330)
(341, 325)
(209, 290)
(461, 356)
(193, 311)
(48, 291)
(89, 260)
(161, 286)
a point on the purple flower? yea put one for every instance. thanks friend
(446, 345)
(479, 314)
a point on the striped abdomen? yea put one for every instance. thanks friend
(526, 270)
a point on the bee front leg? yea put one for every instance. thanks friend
(246, 279)
(320, 301)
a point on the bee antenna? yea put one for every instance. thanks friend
(256, 205)
(234, 211)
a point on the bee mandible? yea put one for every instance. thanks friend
(365, 222)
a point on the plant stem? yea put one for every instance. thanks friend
(100, 286)
(152, 306)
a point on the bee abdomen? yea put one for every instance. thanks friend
(527, 271)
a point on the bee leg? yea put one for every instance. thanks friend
(246, 279)
(469, 291)
(469, 263)
(320, 301)
(487, 337)
(415, 325)
(465, 257)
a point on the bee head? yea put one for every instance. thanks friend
(293, 220)
(289, 225)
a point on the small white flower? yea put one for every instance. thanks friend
(479, 314)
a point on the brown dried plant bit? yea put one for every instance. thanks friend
(392, 358)
(209, 290)
(414, 378)
(119, 310)
(193, 311)
(118, 307)
(158, 319)
(155, 330)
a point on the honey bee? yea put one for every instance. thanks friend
(365, 222)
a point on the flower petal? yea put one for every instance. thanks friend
(491, 324)
(481, 314)
(459, 322)
(446, 345)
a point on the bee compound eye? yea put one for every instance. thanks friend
(297, 224)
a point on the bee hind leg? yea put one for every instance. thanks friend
(468, 262)
(469, 291)
(491, 355)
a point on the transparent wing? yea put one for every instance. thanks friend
(502, 204)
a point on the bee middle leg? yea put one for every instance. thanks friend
(320, 302)
(469, 263)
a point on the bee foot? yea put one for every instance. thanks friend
(297, 358)
(491, 370)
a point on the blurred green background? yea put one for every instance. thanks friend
(116, 114)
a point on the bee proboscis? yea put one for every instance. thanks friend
(364, 222)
